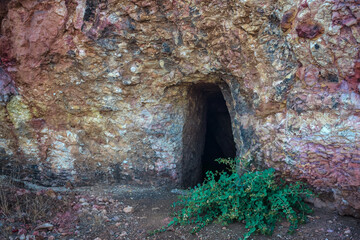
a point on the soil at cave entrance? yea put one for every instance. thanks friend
(98, 213)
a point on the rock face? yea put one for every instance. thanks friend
(95, 90)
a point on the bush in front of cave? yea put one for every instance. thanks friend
(258, 198)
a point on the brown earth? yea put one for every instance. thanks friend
(98, 213)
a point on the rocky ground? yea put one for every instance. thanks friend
(129, 212)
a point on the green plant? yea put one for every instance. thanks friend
(257, 198)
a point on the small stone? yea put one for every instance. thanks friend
(349, 22)
(97, 207)
(128, 209)
(287, 19)
(155, 208)
(166, 221)
(285, 224)
(22, 231)
(51, 193)
(68, 185)
(44, 226)
(308, 30)
(117, 224)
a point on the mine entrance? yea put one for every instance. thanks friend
(219, 141)
(207, 134)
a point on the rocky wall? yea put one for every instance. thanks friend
(98, 90)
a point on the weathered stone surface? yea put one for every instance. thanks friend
(308, 30)
(7, 87)
(287, 19)
(103, 88)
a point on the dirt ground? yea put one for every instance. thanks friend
(132, 212)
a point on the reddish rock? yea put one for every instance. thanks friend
(37, 124)
(5, 49)
(311, 75)
(336, 18)
(7, 86)
(308, 30)
(357, 71)
(349, 21)
(354, 80)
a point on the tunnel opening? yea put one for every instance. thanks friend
(207, 134)
(219, 140)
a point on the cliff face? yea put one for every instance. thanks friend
(95, 90)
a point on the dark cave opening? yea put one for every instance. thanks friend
(219, 140)
(207, 134)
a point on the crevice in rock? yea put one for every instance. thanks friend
(3, 11)
(207, 134)
(219, 140)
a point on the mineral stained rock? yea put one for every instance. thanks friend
(103, 90)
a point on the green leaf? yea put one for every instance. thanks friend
(253, 196)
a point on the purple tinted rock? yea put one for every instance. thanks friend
(7, 86)
(308, 30)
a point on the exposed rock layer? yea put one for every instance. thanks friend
(103, 88)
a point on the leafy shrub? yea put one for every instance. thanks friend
(254, 197)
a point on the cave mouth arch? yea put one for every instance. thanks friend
(207, 133)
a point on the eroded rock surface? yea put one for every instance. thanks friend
(101, 89)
